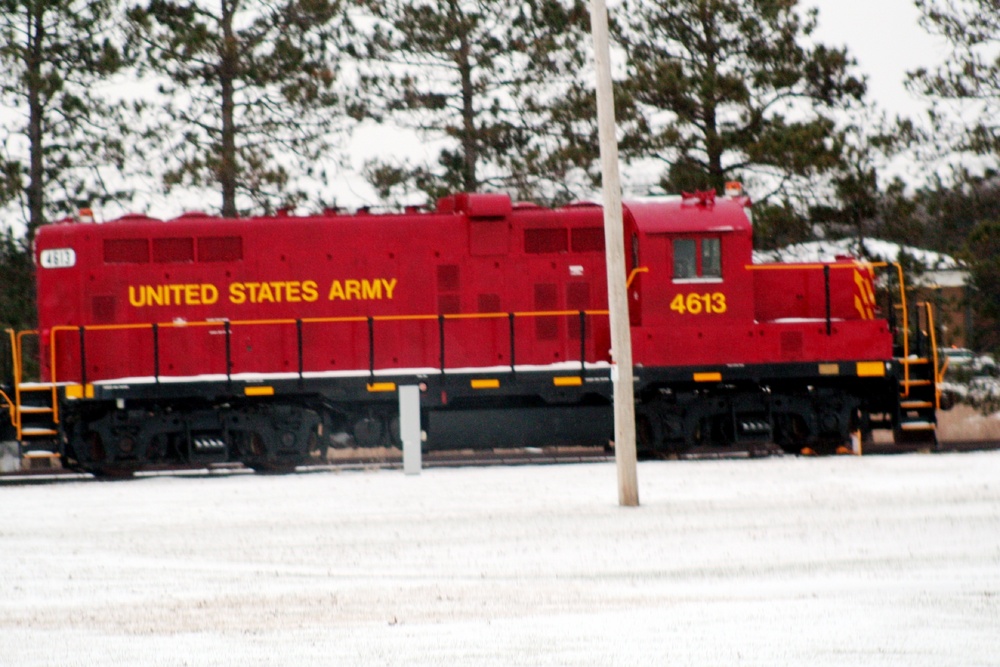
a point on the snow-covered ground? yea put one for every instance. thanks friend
(891, 560)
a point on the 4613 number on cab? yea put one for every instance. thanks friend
(710, 303)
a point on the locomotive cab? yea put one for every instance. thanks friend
(689, 283)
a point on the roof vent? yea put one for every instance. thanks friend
(483, 206)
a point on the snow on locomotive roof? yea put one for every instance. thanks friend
(876, 249)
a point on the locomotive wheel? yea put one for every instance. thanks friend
(645, 436)
(256, 445)
(316, 447)
(256, 459)
(369, 432)
(790, 432)
(95, 447)
(95, 465)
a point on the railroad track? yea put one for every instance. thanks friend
(470, 458)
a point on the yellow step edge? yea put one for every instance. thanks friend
(918, 426)
(38, 432)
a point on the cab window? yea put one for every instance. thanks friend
(711, 258)
(697, 258)
(684, 259)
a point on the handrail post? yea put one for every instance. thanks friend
(510, 318)
(229, 355)
(893, 325)
(156, 353)
(934, 356)
(826, 287)
(371, 346)
(53, 374)
(906, 315)
(920, 335)
(298, 334)
(583, 343)
(15, 346)
(83, 360)
(441, 343)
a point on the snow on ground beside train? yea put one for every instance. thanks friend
(890, 560)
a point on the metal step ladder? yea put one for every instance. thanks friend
(919, 395)
(33, 413)
(37, 430)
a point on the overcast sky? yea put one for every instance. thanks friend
(886, 40)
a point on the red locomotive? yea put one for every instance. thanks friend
(262, 340)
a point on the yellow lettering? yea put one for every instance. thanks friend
(187, 294)
(310, 291)
(371, 289)
(236, 293)
(293, 292)
(136, 302)
(209, 294)
(155, 295)
(265, 293)
(353, 289)
(336, 291)
(175, 292)
(390, 285)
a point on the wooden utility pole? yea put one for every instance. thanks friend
(621, 339)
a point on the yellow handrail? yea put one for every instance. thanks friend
(633, 273)
(18, 353)
(934, 359)
(906, 318)
(13, 406)
(55, 330)
(14, 413)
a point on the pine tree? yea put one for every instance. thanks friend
(17, 283)
(733, 90)
(53, 54)
(495, 82)
(249, 88)
(969, 80)
(984, 287)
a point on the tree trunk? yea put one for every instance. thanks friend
(713, 142)
(469, 145)
(227, 79)
(36, 171)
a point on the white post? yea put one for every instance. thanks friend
(621, 340)
(409, 428)
(10, 456)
